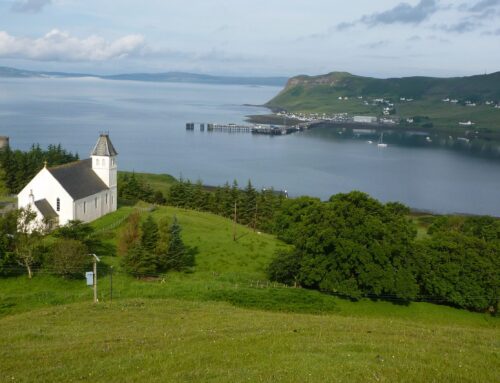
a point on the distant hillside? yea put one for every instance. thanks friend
(313, 92)
(152, 77)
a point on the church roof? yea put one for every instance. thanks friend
(104, 147)
(44, 207)
(78, 179)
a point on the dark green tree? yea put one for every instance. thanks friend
(352, 245)
(285, 267)
(140, 262)
(149, 235)
(177, 257)
(460, 270)
(8, 227)
(248, 209)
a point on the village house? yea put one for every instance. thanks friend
(82, 190)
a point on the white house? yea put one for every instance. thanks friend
(82, 190)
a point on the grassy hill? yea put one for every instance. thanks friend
(225, 322)
(171, 341)
(313, 94)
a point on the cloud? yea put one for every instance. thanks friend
(492, 33)
(461, 27)
(375, 45)
(414, 38)
(61, 46)
(403, 13)
(29, 6)
(483, 5)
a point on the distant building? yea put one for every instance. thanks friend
(466, 123)
(4, 142)
(82, 190)
(365, 119)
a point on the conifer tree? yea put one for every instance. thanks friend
(177, 256)
(249, 205)
(149, 237)
(162, 245)
(140, 262)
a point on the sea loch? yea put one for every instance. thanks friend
(147, 122)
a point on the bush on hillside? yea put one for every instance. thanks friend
(461, 270)
(69, 258)
(351, 245)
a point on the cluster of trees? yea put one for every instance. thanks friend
(147, 249)
(249, 206)
(133, 188)
(19, 167)
(355, 246)
(153, 247)
(24, 246)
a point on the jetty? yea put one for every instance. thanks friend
(270, 130)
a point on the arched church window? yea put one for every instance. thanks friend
(97, 162)
(103, 162)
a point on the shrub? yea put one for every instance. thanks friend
(69, 258)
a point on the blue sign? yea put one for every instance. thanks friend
(89, 275)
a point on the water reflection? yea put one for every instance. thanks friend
(469, 144)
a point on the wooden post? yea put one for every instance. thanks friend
(95, 280)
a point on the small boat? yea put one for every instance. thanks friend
(370, 142)
(381, 141)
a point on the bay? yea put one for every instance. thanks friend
(146, 122)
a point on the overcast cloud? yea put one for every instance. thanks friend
(403, 13)
(252, 37)
(61, 46)
(29, 6)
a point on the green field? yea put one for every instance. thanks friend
(172, 340)
(225, 322)
(161, 182)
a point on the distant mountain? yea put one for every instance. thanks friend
(316, 92)
(152, 77)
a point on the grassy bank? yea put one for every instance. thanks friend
(224, 322)
(172, 340)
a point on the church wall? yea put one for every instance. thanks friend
(45, 186)
(87, 210)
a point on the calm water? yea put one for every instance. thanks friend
(146, 123)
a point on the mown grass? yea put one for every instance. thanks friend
(170, 341)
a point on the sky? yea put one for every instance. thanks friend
(382, 38)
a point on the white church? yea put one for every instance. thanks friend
(82, 190)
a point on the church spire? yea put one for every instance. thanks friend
(104, 147)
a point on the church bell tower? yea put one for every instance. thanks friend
(104, 164)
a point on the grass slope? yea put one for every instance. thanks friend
(209, 325)
(171, 341)
(161, 182)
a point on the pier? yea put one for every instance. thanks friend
(270, 130)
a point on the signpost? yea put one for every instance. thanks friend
(93, 275)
